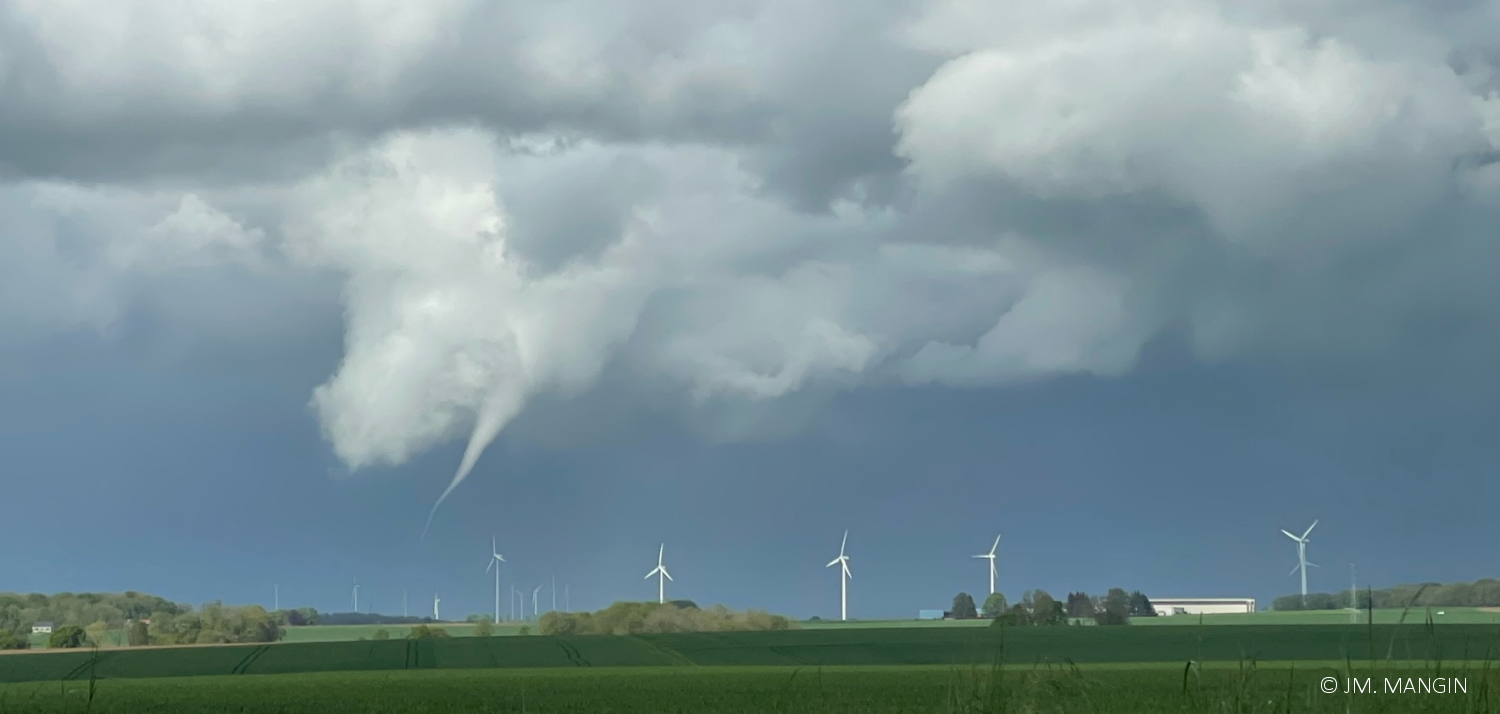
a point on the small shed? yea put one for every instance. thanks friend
(41, 628)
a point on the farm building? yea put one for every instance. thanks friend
(930, 614)
(1202, 605)
(41, 628)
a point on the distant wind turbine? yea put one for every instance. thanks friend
(567, 603)
(403, 602)
(534, 593)
(495, 561)
(844, 578)
(662, 576)
(1302, 563)
(435, 600)
(991, 556)
(514, 596)
(355, 595)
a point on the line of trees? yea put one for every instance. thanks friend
(629, 618)
(1480, 593)
(1038, 607)
(134, 619)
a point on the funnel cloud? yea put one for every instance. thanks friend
(734, 212)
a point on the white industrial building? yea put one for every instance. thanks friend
(1202, 605)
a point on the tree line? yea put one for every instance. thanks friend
(1038, 607)
(1480, 593)
(629, 618)
(136, 619)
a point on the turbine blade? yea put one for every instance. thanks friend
(1309, 528)
(653, 572)
(847, 574)
(667, 574)
(844, 543)
(995, 547)
(833, 562)
(1289, 535)
(1294, 569)
(1313, 565)
(491, 565)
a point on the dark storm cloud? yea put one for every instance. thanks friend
(741, 207)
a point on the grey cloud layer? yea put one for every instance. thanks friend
(729, 203)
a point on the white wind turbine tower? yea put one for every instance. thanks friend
(435, 601)
(355, 595)
(991, 556)
(662, 576)
(534, 593)
(495, 561)
(844, 578)
(1302, 563)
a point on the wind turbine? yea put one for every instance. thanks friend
(991, 556)
(403, 602)
(355, 596)
(662, 576)
(515, 595)
(844, 578)
(435, 601)
(495, 561)
(533, 600)
(1302, 563)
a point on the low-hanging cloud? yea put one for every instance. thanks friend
(520, 202)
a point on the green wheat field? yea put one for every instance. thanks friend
(1039, 670)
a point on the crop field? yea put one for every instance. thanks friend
(810, 648)
(1149, 689)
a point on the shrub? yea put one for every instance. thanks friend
(426, 632)
(382, 635)
(67, 636)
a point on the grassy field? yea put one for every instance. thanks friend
(1158, 689)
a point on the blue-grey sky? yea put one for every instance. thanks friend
(1135, 285)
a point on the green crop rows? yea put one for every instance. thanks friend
(1073, 669)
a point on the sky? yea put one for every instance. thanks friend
(294, 294)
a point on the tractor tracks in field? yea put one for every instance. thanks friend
(673, 655)
(573, 654)
(82, 669)
(244, 665)
(413, 655)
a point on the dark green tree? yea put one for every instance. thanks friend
(963, 607)
(12, 641)
(1115, 609)
(67, 637)
(1140, 605)
(1014, 616)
